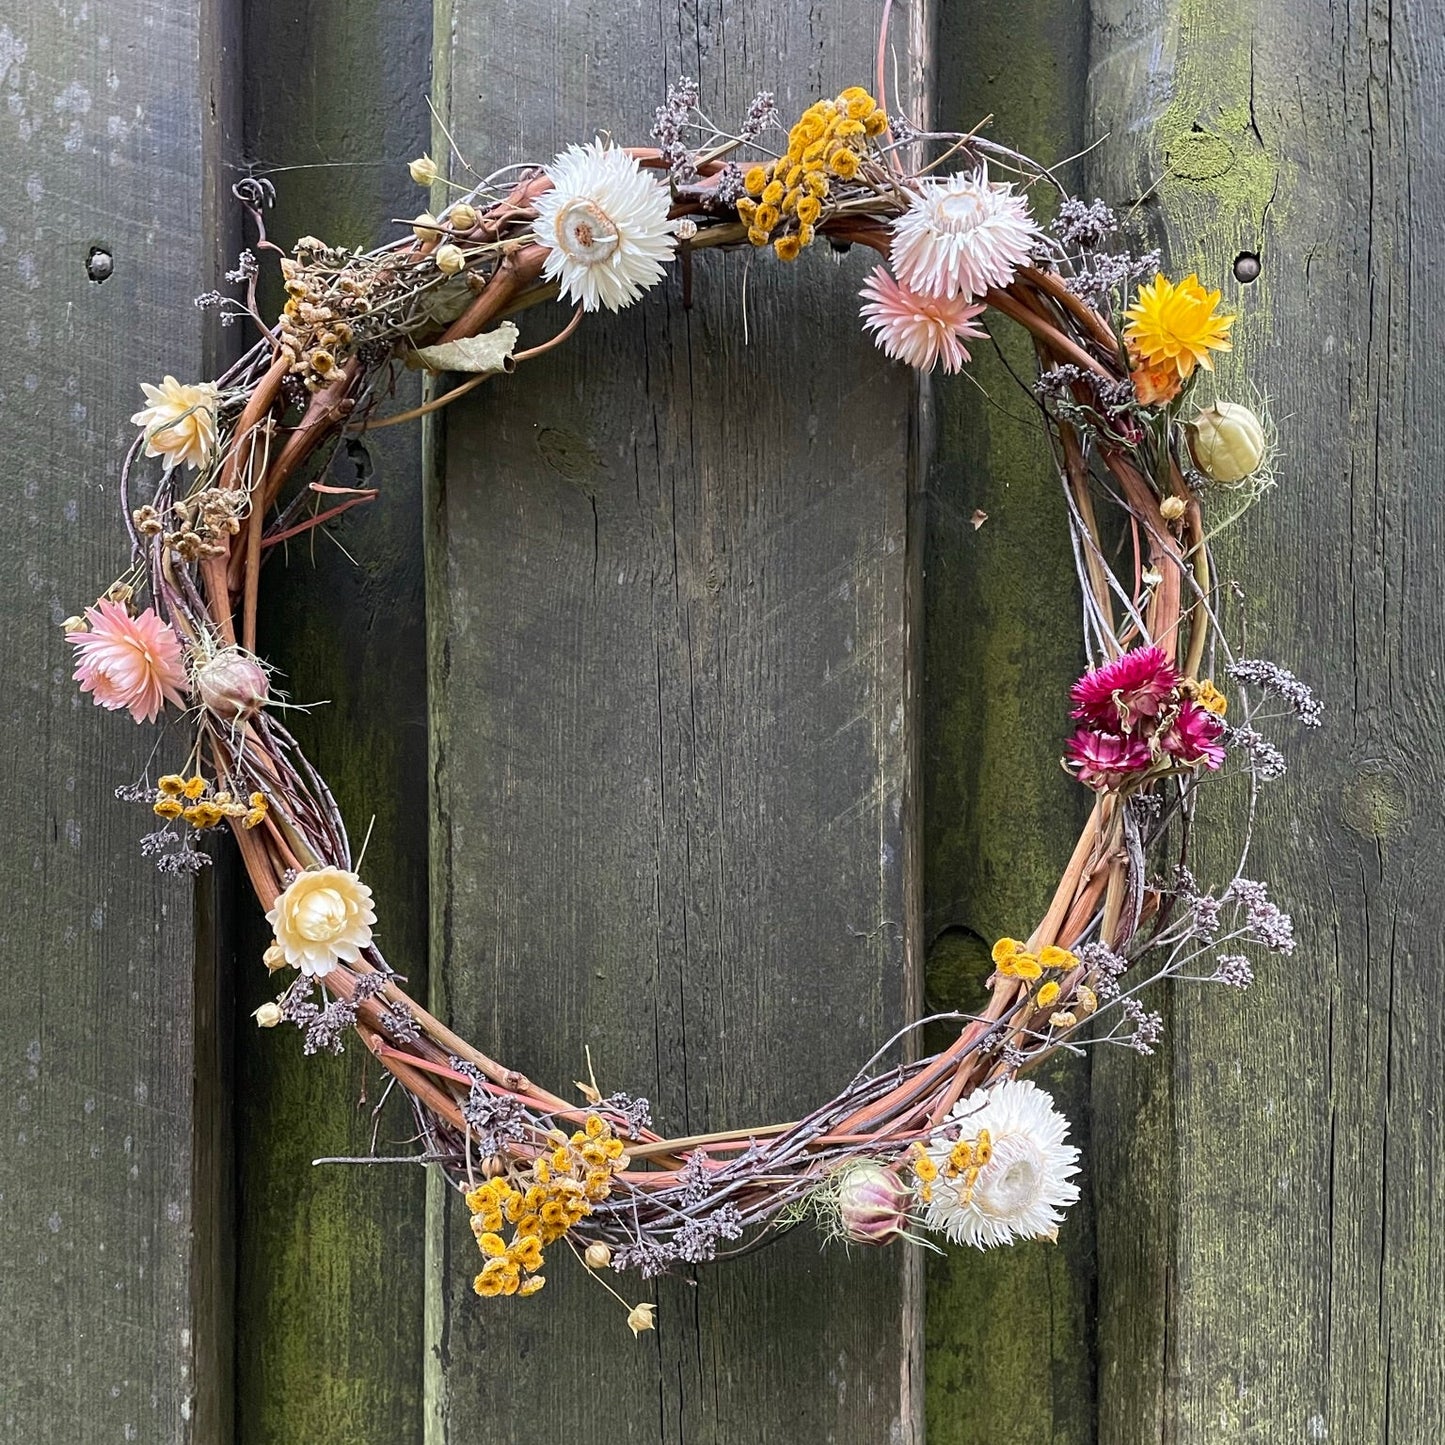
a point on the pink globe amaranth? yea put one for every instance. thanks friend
(1102, 761)
(129, 662)
(872, 1204)
(1195, 736)
(1117, 696)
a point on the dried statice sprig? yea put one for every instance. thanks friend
(1112, 274)
(637, 1111)
(1234, 970)
(496, 1120)
(326, 1032)
(1270, 677)
(1105, 967)
(1147, 1028)
(247, 268)
(670, 119)
(1266, 760)
(1265, 922)
(762, 113)
(1086, 224)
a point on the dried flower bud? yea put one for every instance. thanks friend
(1172, 508)
(423, 170)
(462, 217)
(640, 1318)
(1227, 441)
(597, 1256)
(232, 685)
(267, 1016)
(73, 624)
(685, 229)
(449, 258)
(872, 1204)
(274, 958)
(424, 227)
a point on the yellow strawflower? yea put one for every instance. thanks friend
(1175, 326)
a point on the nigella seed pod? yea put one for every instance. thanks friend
(1228, 442)
(449, 259)
(232, 685)
(872, 1204)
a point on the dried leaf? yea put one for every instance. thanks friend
(978, 518)
(487, 353)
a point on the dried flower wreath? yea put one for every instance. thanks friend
(955, 1143)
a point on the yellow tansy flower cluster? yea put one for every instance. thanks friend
(1208, 696)
(192, 799)
(1013, 960)
(828, 143)
(925, 1171)
(561, 1188)
(967, 1159)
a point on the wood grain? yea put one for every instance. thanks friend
(672, 669)
(330, 1259)
(1279, 1278)
(103, 142)
(1000, 653)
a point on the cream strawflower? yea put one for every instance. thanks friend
(919, 330)
(604, 224)
(962, 235)
(1007, 1175)
(180, 422)
(324, 916)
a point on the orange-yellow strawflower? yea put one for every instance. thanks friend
(1175, 325)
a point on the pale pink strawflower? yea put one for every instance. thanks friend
(130, 662)
(962, 235)
(923, 331)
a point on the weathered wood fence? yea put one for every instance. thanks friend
(702, 727)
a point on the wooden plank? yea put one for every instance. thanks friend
(999, 813)
(330, 1259)
(671, 582)
(103, 143)
(1289, 1274)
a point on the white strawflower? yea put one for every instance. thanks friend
(604, 224)
(180, 422)
(962, 235)
(1006, 1176)
(324, 916)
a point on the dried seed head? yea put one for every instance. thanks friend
(1228, 442)
(462, 217)
(232, 685)
(872, 1204)
(423, 170)
(424, 227)
(1172, 508)
(267, 1016)
(449, 259)
(597, 1256)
